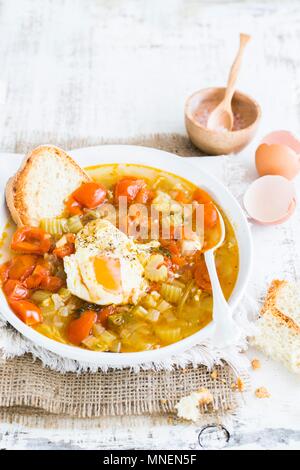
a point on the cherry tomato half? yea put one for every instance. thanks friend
(201, 275)
(144, 196)
(73, 207)
(201, 196)
(51, 283)
(32, 240)
(65, 250)
(90, 195)
(80, 328)
(34, 280)
(15, 290)
(22, 266)
(27, 311)
(210, 215)
(105, 313)
(4, 270)
(129, 187)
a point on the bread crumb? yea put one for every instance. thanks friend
(255, 363)
(188, 407)
(238, 385)
(205, 397)
(214, 374)
(262, 392)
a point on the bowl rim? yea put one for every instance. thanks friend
(191, 118)
(143, 156)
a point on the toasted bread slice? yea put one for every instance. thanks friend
(38, 190)
(278, 333)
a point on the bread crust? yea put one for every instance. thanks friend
(270, 305)
(15, 200)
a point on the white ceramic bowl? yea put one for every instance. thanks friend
(164, 161)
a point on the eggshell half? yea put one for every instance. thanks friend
(278, 154)
(270, 199)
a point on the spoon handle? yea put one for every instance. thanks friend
(244, 38)
(226, 330)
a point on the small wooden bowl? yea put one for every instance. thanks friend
(219, 142)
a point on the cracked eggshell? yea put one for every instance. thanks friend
(278, 154)
(270, 199)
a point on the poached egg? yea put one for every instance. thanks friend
(105, 268)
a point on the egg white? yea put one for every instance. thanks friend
(101, 238)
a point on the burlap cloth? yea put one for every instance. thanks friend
(29, 389)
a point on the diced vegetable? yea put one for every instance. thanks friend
(140, 311)
(201, 196)
(107, 337)
(22, 266)
(91, 342)
(27, 311)
(90, 195)
(155, 270)
(74, 224)
(57, 301)
(51, 283)
(98, 329)
(105, 313)
(201, 275)
(63, 311)
(48, 310)
(152, 315)
(115, 320)
(171, 293)
(129, 187)
(149, 301)
(4, 270)
(31, 240)
(163, 306)
(65, 294)
(50, 331)
(55, 226)
(168, 334)
(182, 197)
(35, 279)
(40, 295)
(210, 215)
(115, 346)
(65, 246)
(15, 290)
(79, 329)
(73, 207)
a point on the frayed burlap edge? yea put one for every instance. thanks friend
(25, 383)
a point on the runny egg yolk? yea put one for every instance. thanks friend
(108, 273)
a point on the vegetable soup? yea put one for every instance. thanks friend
(107, 279)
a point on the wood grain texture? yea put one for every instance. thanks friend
(74, 72)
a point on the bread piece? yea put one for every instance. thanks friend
(38, 190)
(279, 325)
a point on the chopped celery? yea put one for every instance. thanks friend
(40, 295)
(171, 293)
(116, 319)
(75, 224)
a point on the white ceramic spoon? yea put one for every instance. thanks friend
(226, 331)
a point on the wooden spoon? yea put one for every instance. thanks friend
(222, 116)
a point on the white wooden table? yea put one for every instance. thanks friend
(96, 70)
